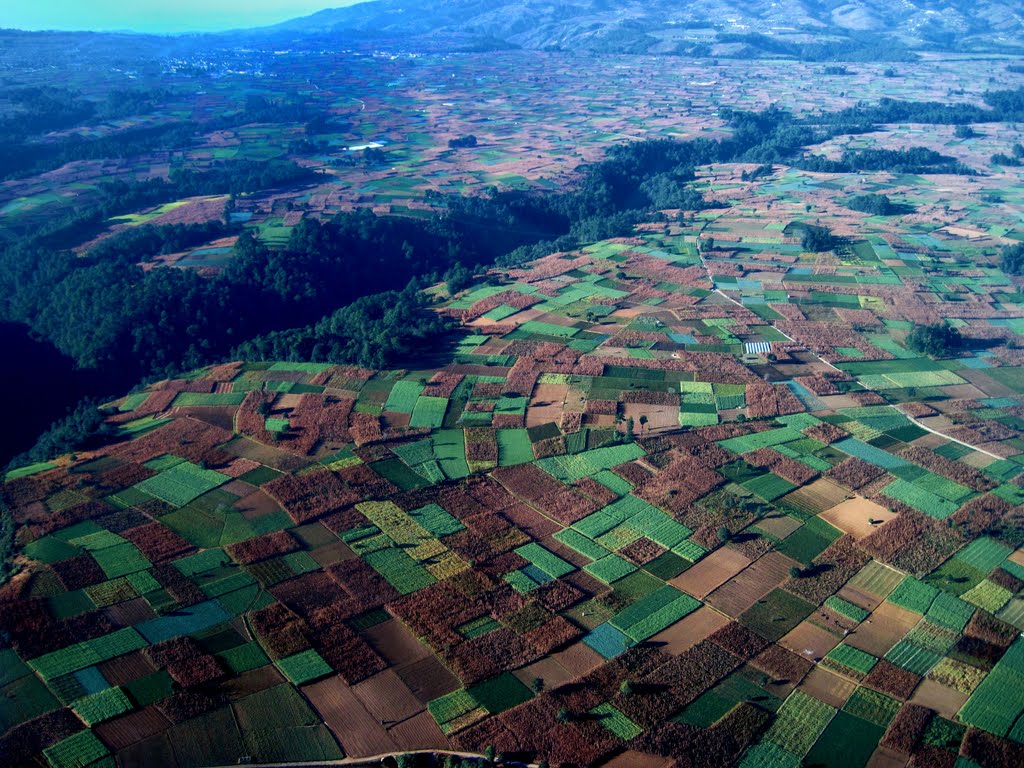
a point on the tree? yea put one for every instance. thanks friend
(626, 687)
(537, 685)
(964, 132)
(795, 572)
(462, 142)
(1012, 260)
(937, 340)
(457, 277)
(877, 205)
(723, 535)
(563, 716)
(630, 435)
(816, 239)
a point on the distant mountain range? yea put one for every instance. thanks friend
(812, 29)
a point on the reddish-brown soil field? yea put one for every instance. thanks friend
(330, 554)
(132, 728)
(395, 643)
(752, 584)
(360, 733)
(778, 525)
(428, 678)
(809, 640)
(943, 700)
(155, 750)
(711, 572)
(387, 698)
(546, 404)
(659, 417)
(828, 686)
(550, 671)
(885, 627)
(887, 758)
(630, 759)
(578, 659)
(692, 629)
(418, 732)
(817, 496)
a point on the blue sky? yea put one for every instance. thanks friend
(155, 15)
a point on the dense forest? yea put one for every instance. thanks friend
(104, 310)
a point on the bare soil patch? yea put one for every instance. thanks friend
(395, 643)
(737, 595)
(946, 701)
(419, 732)
(855, 516)
(810, 641)
(885, 627)
(690, 630)
(360, 733)
(387, 698)
(710, 573)
(427, 679)
(828, 687)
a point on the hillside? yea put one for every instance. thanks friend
(816, 29)
(686, 495)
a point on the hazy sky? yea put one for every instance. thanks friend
(155, 15)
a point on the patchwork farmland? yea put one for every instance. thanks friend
(702, 494)
(608, 530)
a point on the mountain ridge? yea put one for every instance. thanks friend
(804, 28)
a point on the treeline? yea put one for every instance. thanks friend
(1003, 106)
(1015, 159)
(239, 176)
(40, 110)
(937, 340)
(347, 287)
(102, 309)
(30, 157)
(852, 46)
(372, 331)
(912, 160)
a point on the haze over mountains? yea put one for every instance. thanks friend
(822, 28)
(812, 30)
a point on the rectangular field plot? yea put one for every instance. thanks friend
(999, 700)
(182, 483)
